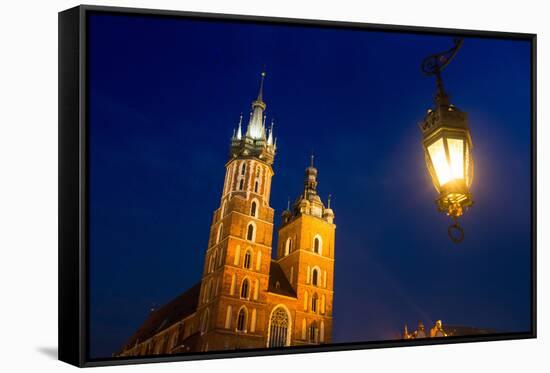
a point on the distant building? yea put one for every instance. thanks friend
(245, 299)
(438, 331)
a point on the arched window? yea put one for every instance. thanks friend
(317, 245)
(228, 317)
(209, 291)
(241, 184)
(219, 235)
(232, 288)
(253, 321)
(250, 232)
(247, 259)
(205, 321)
(245, 288)
(237, 255)
(288, 246)
(279, 326)
(253, 208)
(258, 260)
(243, 169)
(256, 289)
(174, 340)
(211, 262)
(241, 320)
(314, 300)
(313, 332)
(315, 276)
(256, 185)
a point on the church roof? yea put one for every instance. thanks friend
(277, 276)
(176, 310)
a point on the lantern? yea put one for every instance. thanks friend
(447, 147)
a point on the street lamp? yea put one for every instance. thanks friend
(447, 146)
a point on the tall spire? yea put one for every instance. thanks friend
(239, 128)
(270, 137)
(261, 90)
(256, 129)
(310, 181)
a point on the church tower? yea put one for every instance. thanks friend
(306, 255)
(230, 309)
(246, 299)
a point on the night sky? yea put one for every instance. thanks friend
(164, 97)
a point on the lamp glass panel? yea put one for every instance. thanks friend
(439, 161)
(467, 165)
(456, 156)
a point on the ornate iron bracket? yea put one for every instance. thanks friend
(434, 64)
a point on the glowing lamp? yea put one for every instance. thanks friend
(447, 147)
(448, 153)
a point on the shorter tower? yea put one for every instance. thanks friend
(305, 253)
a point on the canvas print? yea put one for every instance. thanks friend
(263, 186)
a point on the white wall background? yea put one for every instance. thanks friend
(28, 183)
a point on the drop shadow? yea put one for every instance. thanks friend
(50, 352)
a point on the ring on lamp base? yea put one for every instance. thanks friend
(455, 231)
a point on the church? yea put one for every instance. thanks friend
(247, 297)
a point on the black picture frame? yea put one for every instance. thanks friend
(73, 181)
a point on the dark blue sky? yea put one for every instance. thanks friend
(165, 95)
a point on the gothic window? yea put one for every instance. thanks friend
(313, 332)
(241, 320)
(279, 325)
(174, 341)
(258, 260)
(241, 184)
(317, 245)
(247, 259)
(253, 208)
(243, 169)
(253, 321)
(219, 235)
(222, 213)
(245, 288)
(211, 263)
(314, 301)
(209, 291)
(250, 232)
(315, 276)
(237, 255)
(228, 317)
(232, 288)
(256, 186)
(205, 321)
(256, 289)
(288, 246)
